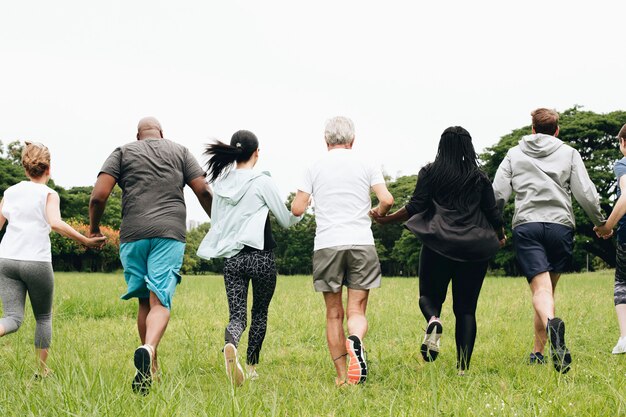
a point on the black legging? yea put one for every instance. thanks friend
(435, 273)
(260, 266)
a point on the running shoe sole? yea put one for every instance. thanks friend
(233, 368)
(561, 357)
(430, 346)
(357, 367)
(143, 376)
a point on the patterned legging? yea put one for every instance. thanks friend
(260, 267)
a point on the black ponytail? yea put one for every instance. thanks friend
(242, 145)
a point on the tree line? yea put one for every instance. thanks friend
(592, 134)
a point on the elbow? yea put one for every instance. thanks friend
(297, 211)
(96, 201)
(56, 226)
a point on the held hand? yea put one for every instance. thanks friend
(603, 231)
(95, 242)
(502, 242)
(95, 233)
(375, 215)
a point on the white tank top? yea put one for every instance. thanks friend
(27, 237)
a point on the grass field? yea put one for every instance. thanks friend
(94, 339)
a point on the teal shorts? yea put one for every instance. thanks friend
(152, 265)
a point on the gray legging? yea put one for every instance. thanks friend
(16, 279)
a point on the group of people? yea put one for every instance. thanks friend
(455, 211)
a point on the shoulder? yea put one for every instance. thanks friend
(264, 177)
(425, 170)
(620, 166)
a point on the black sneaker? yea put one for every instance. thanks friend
(430, 345)
(561, 358)
(536, 358)
(143, 376)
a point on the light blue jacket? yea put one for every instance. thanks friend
(241, 201)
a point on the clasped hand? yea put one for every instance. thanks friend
(603, 231)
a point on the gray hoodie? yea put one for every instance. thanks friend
(544, 172)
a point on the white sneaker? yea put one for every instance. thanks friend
(233, 368)
(251, 372)
(620, 347)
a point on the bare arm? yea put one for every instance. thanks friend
(618, 212)
(397, 217)
(385, 199)
(53, 213)
(203, 192)
(98, 201)
(300, 203)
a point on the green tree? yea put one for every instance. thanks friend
(192, 263)
(387, 237)
(594, 136)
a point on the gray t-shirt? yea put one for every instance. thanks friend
(152, 174)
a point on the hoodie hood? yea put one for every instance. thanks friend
(539, 145)
(235, 185)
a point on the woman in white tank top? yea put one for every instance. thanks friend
(32, 210)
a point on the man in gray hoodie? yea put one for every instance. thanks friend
(544, 172)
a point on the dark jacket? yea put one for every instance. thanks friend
(469, 234)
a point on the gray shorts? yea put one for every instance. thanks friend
(355, 266)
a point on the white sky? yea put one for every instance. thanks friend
(78, 75)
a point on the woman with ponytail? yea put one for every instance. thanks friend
(32, 209)
(241, 233)
(453, 212)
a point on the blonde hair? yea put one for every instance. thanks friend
(545, 121)
(35, 159)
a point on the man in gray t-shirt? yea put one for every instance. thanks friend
(152, 173)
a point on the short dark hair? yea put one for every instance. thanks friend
(545, 121)
(622, 133)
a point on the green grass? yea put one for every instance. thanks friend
(95, 336)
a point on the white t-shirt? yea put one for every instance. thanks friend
(340, 184)
(28, 233)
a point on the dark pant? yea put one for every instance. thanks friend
(541, 247)
(260, 267)
(435, 273)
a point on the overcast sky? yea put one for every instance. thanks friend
(78, 75)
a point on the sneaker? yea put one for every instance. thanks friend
(430, 345)
(251, 372)
(357, 367)
(536, 358)
(620, 347)
(233, 368)
(561, 358)
(143, 364)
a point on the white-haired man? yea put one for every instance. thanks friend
(344, 251)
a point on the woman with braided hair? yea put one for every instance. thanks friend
(453, 212)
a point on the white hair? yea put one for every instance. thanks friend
(339, 131)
